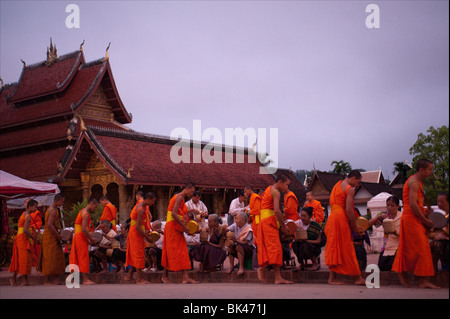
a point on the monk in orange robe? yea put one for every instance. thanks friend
(269, 245)
(79, 253)
(291, 206)
(36, 224)
(22, 249)
(175, 255)
(318, 214)
(140, 198)
(340, 255)
(52, 263)
(414, 252)
(137, 234)
(254, 207)
(109, 212)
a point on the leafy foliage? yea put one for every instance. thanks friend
(70, 216)
(435, 147)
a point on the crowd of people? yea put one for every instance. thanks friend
(266, 232)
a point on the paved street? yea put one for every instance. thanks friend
(221, 291)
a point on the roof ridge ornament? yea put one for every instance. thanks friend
(24, 64)
(52, 54)
(106, 58)
(81, 46)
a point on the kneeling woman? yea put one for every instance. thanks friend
(308, 248)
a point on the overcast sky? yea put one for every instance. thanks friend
(334, 88)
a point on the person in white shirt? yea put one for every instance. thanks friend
(236, 206)
(108, 236)
(197, 210)
(243, 245)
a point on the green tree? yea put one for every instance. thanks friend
(341, 167)
(71, 215)
(435, 147)
(401, 168)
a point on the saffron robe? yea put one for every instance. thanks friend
(79, 253)
(255, 211)
(51, 259)
(291, 206)
(175, 255)
(413, 252)
(269, 245)
(22, 250)
(109, 213)
(135, 241)
(36, 224)
(318, 213)
(340, 255)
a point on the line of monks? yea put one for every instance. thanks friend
(413, 254)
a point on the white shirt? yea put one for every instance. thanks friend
(200, 206)
(235, 207)
(106, 242)
(237, 230)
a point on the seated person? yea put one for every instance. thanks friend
(211, 253)
(390, 244)
(242, 246)
(105, 244)
(309, 248)
(119, 255)
(439, 244)
(154, 251)
(360, 238)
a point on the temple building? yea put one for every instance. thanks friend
(64, 122)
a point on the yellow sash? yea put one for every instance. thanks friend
(266, 213)
(257, 219)
(20, 231)
(78, 228)
(133, 223)
(170, 217)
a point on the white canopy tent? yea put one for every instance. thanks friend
(378, 203)
(16, 190)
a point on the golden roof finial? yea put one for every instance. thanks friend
(106, 58)
(130, 170)
(1, 80)
(52, 54)
(81, 46)
(24, 64)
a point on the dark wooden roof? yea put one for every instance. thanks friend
(149, 157)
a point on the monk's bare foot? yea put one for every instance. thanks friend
(240, 272)
(189, 280)
(403, 280)
(261, 275)
(13, 282)
(88, 282)
(229, 271)
(359, 281)
(425, 283)
(165, 280)
(142, 282)
(282, 281)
